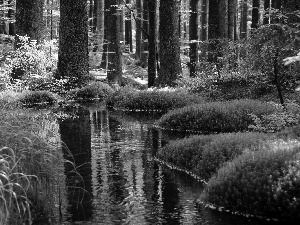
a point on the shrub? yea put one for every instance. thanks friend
(31, 58)
(204, 154)
(128, 99)
(38, 98)
(215, 117)
(94, 90)
(9, 99)
(257, 182)
(277, 121)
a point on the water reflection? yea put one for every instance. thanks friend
(124, 185)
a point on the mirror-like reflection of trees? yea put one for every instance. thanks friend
(76, 135)
(114, 155)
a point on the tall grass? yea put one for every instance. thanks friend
(31, 165)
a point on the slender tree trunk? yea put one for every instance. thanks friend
(255, 14)
(193, 36)
(95, 14)
(266, 19)
(11, 15)
(128, 28)
(114, 73)
(144, 55)
(204, 20)
(170, 65)
(91, 12)
(138, 37)
(106, 41)
(29, 19)
(244, 18)
(152, 43)
(224, 18)
(73, 56)
(231, 19)
(100, 26)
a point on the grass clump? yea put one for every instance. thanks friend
(215, 117)
(31, 166)
(38, 98)
(162, 100)
(94, 90)
(264, 183)
(203, 155)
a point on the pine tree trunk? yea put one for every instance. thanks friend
(204, 20)
(73, 57)
(255, 14)
(193, 36)
(114, 73)
(144, 55)
(128, 28)
(11, 26)
(152, 43)
(138, 37)
(266, 19)
(170, 65)
(231, 19)
(29, 20)
(214, 30)
(105, 42)
(244, 12)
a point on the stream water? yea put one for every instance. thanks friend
(117, 180)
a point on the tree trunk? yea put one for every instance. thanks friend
(105, 42)
(193, 36)
(138, 37)
(170, 65)
(231, 19)
(11, 12)
(144, 55)
(2, 21)
(114, 73)
(214, 30)
(266, 19)
(73, 57)
(244, 12)
(204, 20)
(152, 43)
(255, 14)
(128, 28)
(95, 14)
(29, 20)
(91, 12)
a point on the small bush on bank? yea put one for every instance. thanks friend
(94, 90)
(37, 98)
(9, 99)
(261, 183)
(215, 117)
(128, 99)
(204, 154)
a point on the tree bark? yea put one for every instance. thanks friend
(231, 19)
(152, 43)
(29, 20)
(128, 28)
(214, 30)
(73, 57)
(114, 72)
(138, 36)
(244, 12)
(204, 20)
(105, 42)
(144, 54)
(170, 65)
(255, 14)
(193, 36)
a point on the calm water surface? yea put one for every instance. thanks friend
(117, 181)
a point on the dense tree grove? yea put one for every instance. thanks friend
(158, 32)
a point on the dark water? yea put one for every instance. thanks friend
(116, 180)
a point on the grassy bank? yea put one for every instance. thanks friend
(31, 163)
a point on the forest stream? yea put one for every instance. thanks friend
(118, 180)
